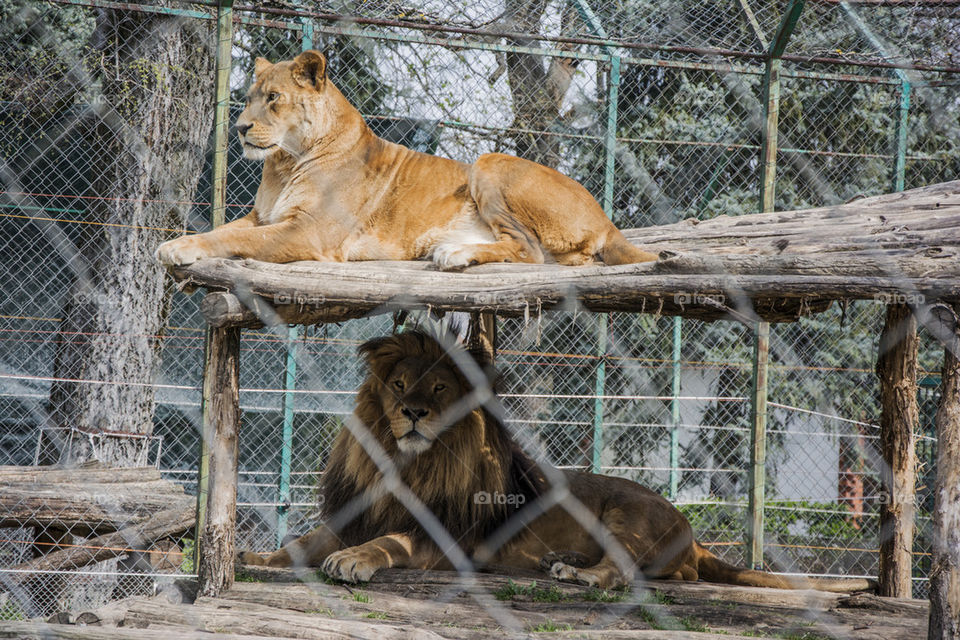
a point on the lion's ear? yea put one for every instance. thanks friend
(310, 69)
(260, 65)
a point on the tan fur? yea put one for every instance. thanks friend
(411, 375)
(332, 190)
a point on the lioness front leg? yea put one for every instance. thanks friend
(359, 563)
(306, 551)
(286, 241)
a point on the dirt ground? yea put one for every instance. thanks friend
(436, 604)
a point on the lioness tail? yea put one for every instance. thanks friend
(713, 569)
(618, 250)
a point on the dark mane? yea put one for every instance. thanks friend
(474, 456)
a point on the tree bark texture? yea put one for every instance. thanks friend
(537, 87)
(221, 397)
(899, 418)
(152, 123)
(944, 620)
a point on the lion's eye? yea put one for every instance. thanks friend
(273, 95)
(398, 384)
(439, 388)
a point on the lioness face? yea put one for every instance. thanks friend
(414, 397)
(285, 107)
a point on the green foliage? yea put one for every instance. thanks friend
(10, 611)
(360, 596)
(376, 615)
(189, 546)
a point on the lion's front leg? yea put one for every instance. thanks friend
(306, 551)
(359, 563)
(286, 241)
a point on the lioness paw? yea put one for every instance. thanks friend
(452, 256)
(350, 565)
(184, 250)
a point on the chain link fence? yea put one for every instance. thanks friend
(656, 107)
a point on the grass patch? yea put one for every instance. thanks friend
(690, 623)
(802, 635)
(321, 612)
(360, 596)
(243, 576)
(602, 595)
(376, 615)
(536, 593)
(660, 597)
(551, 627)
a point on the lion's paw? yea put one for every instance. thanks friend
(453, 256)
(249, 557)
(566, 573)
(181, 251)
(350, 565)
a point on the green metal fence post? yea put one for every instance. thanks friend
(286, 449)
(758, 398)
(758, 445)
(675, 411)
(289, 380)
(610, 148)
(218, 207)
(900, 134)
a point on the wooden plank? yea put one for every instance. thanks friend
(899, 418)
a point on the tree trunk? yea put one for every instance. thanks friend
(899, 417)
(944, 621)
(153, 120)
(537, 88)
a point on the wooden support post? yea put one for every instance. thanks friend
(221, 400)
(945, 570)
(899, 417)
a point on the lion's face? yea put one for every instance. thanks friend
(286, 107)
(415, 397)
(414, 386)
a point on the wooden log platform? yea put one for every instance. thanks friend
(397, 603)
(902, 247)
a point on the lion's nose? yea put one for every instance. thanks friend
(243, 128)
(413, 414)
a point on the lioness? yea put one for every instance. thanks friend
(332, 190)
(474, 477)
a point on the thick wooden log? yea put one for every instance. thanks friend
(83, 499)
(140, 536)
(899, 417)
(221, 427)
(899, 248)
(944, 620)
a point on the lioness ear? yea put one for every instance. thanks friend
(310, 69)
(260, 65)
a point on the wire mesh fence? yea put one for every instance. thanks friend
(656, 107)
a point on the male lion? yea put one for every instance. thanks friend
(474, 478)
(332, 190)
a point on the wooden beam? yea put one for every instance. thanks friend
(899, 417)
(944, 622)
(221, 396)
